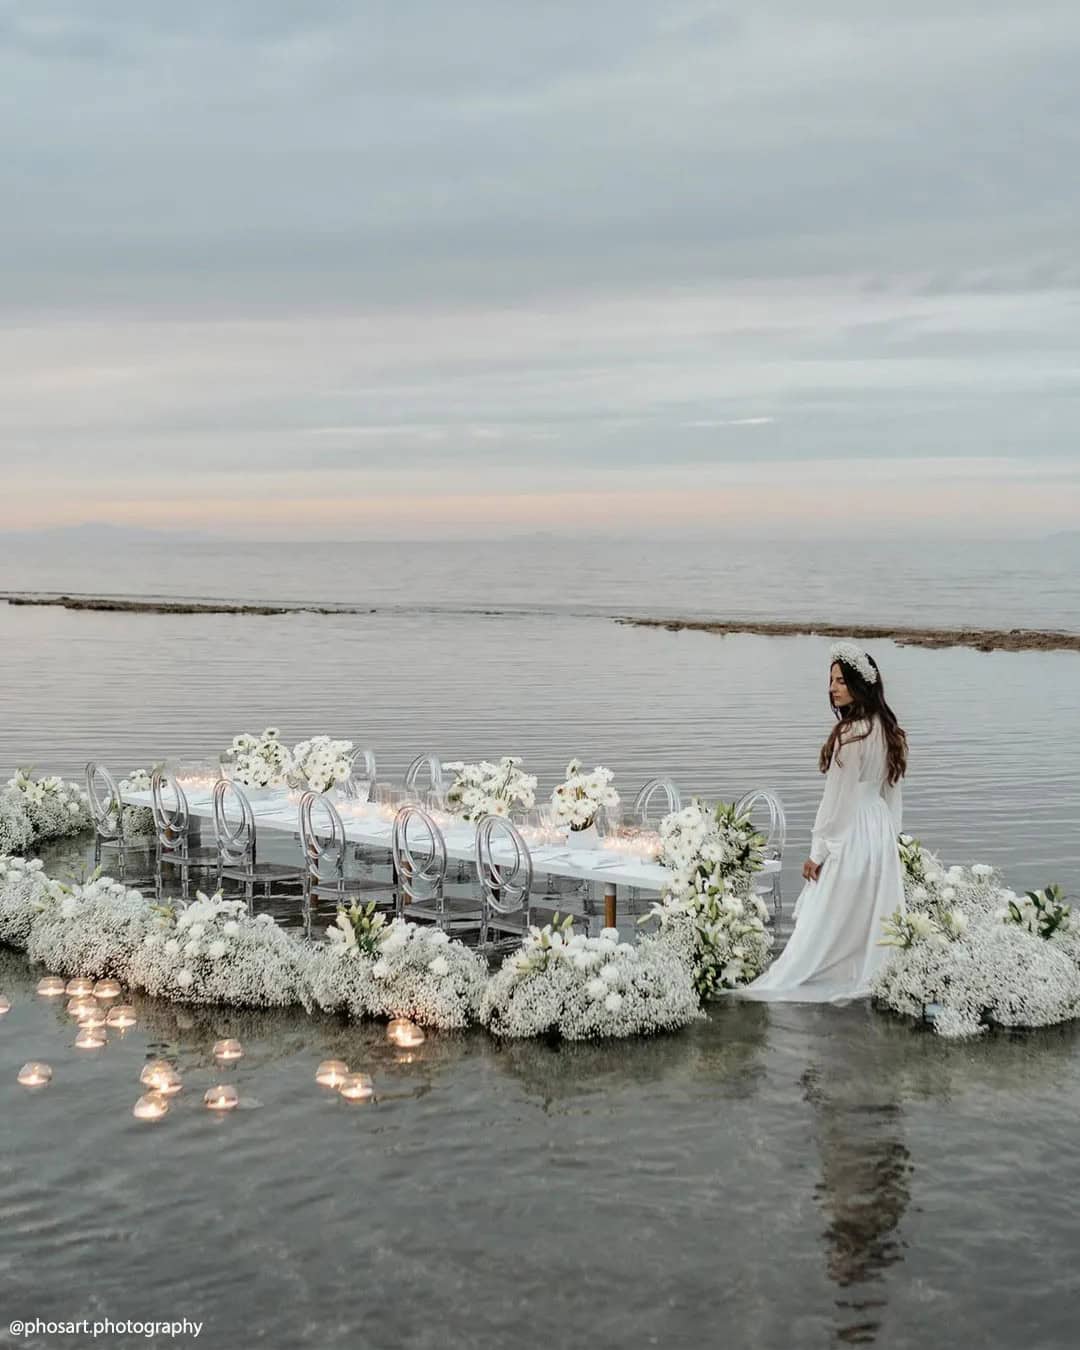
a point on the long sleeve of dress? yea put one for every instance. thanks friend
(839, 802)
(894, 799)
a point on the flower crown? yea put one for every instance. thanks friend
(853, 656)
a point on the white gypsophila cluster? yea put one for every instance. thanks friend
(322, 762)
(397, 969)
(578, 800)
(487, 789)
(24, 888)
(708, 913)
(259, 761)
(852, 655)
(212, 951)
(583, 988)
(56, 808)
(16, 831)
(92, 929)
(137, 820)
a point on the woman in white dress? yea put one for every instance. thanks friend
(853, 875)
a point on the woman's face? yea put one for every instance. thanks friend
(838, 690)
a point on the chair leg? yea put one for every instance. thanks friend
(249, 894)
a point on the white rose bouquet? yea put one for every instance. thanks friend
(583, 988)
(322, 762)
(259, 761)
(487, 789)
(579, 799)
(211, 951)
(372, 968)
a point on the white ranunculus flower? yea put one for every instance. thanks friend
(610, 974)
(216, 950)
(185, 979)
(614, 1001)
(440, 967)
(381, 969)
(231, 928)
(597, 989)
(172, 947)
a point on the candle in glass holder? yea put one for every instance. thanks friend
(94, 1017)
(5, 1004)
(404, 1033)
(152, 1106)
(160, 1076)
(357, 1087)
(81, 1007)
(90, 1038)
(226, 1051)
(121, 1016)
(331, 1073)
(51, 986)
(79, 987)
(221, 1098)
(107, 989)
(35, 1074)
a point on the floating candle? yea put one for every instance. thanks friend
(81, 1007)
(152, 1106)
(107, 989)
(79, 987)
(35, 1074)
(94, 1017)
(357, 1087)
(331, 1073)
(121, 1016)
(404, 1033)
(5, 1004)
(221, 1098)
(160, 1076)
(90, 1038)
(51, 986)
(226, 1051)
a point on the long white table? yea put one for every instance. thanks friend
(274, 811)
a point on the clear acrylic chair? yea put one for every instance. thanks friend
(656, 787)
(237, 848)
(360, 784)
(322, 837)
(414, 775)
(420, 868)
(176, 846)
(504, 866)
(761, 800)
(110, 828)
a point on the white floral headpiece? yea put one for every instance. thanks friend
(854, 656)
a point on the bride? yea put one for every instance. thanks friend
(853, 876)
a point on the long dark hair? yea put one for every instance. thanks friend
(868, 705)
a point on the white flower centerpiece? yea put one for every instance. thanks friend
(212, 951)
(579, 799)
(321, 763)
(56, 808)
(92, 929)
(258, 761)
(563, 983)
(24, 889)
(708, 912)
(370, 967)
(488, 789)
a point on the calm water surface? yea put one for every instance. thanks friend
(776, 1177)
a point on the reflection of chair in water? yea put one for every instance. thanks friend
(775, 837)
(864, 1192)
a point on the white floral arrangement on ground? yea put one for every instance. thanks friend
(322, 762)
(16, 831)
(708, 913)
(580, 798)
(56, 808)
(93, 929)
(24, 888)
(137, 820)
(581, 988)
(487, 789)
(259, 761)
(212, 951)
(369, 967)
(968, 953)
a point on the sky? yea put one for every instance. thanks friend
(367, 270)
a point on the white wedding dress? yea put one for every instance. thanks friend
(834, 952)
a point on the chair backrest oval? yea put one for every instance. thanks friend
(433, 764)
(419, 853)
(106, 808)
(321, 846)
(777, 833)
(507, 879)
(235, 837)
(172, 823)
(654, 787)
(360, 784)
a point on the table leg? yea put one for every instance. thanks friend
(609, 905)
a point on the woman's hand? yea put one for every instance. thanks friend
(811, 870)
